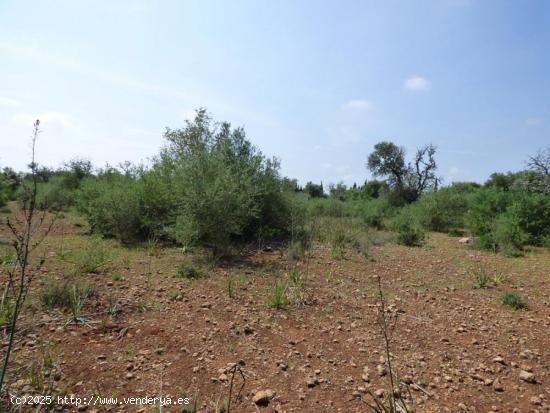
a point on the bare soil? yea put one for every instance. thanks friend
(462, 348)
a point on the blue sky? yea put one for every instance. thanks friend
(316, 84)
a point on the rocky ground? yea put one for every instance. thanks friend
(146, 332)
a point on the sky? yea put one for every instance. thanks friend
(314, 83)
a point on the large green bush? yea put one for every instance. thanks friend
(443, 210)
(225, 188)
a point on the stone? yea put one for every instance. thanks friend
(527, 376)
(263, 397)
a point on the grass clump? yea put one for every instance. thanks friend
(95, 255)
(65, 295)
(277, 295)
(512, 300)
(481, 278)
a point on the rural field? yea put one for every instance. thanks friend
(256, 206)
(144, 330)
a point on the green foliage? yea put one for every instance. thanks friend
(374, 212)
(314, 190)
(188, 270)
(277, 294)
(7, 308)
(329, 207)
(94, 255)
(408, 228)
(443, 210)
(112, 203)
(225, 188)
(512, 300)
(508, 220)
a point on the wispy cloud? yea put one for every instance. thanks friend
(534, 121)
(358, 104)
(418, 84)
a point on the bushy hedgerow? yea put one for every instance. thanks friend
(508, 220)
(112, 204)
(443, 210)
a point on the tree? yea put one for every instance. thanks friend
(314, 190)
(540, 162)
(388, 160)
(407, 181)
(338, 191)
(422, 173)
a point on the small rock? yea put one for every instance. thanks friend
(536, 401)
(263, 397)
(497, 385)
(527, 376)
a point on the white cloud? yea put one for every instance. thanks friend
(358, 104)
(534, 121)
(418, 84)
(4, 101)
(454, 171)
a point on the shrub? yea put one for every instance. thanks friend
(442, 210)
(508, 234)
(409, 231)
(374, 212)
(329, 207)
(54, 194)
(512, 300)
(223, 184)
(112, 204)
(188, 270)
(486, 205)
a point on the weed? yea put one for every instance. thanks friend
(481, 278)
(232, 286)
(498, 278)
(277, 296)
(175, 296)
(7, 307)
(114, 307)
(117, 277)
(512, 300)
(296, 286)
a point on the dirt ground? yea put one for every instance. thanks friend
(155, 334)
